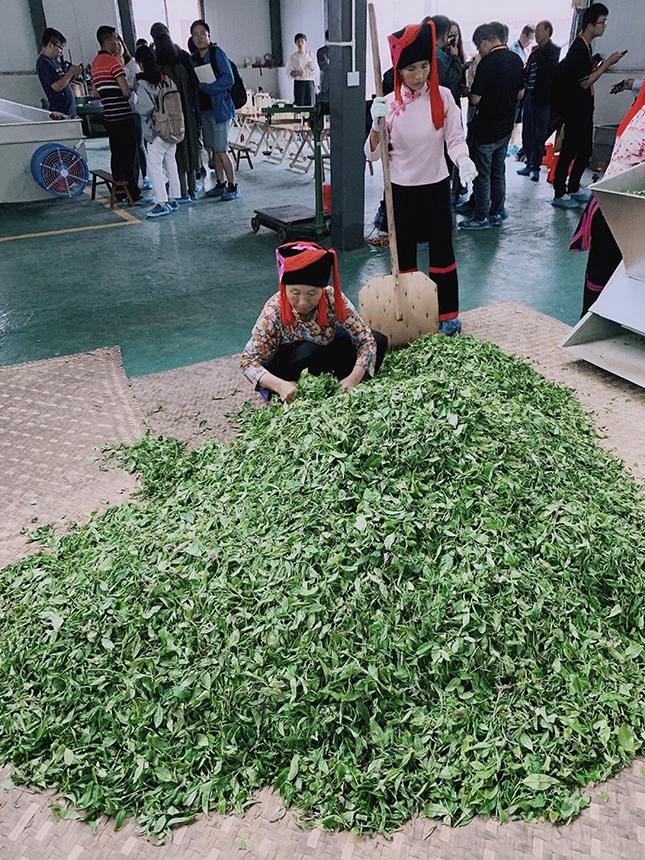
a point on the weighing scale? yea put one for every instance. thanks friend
(298, 222)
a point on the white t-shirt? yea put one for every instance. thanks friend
(305, 63)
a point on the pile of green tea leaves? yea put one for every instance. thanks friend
(426, 596)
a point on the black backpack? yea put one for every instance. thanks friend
(238, 91)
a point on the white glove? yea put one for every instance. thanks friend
(379, 108)
(467, 170)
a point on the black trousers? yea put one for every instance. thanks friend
(140, 154)
(604, 257)
(577, 147)
(304, 93)
(122, 136)
(337, 358)
(422, 213)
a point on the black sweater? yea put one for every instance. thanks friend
(547, 58)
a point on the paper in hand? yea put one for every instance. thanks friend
(205, 74)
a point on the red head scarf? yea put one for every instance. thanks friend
(308, 259)
(418, 42)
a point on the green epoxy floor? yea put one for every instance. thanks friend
(187, 288)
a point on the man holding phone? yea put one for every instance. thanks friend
(574, 100)
(54, 78)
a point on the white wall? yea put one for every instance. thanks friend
(299, 16)
(79, 20)
(18, 49)
(242, 29)
(21, 87)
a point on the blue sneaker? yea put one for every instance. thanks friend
(474, 224)
(144, 201)
(465, 208)
(172, 205)
(159, 210)
(524, 171)
(450, 327)
(564, 202)
(535, 176)
(495, 220)
(217, 190)
(185, 198)
(147, 185)
(581, 196)
(231, 194)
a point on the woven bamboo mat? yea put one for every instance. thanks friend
(55, 418)
(612, 828)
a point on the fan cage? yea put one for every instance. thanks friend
(60, 170)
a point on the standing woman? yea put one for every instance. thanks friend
(423, 120)
(303, 68)
(189, 150)
(217, 109)
(150, 81)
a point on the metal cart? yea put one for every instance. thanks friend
(295, 221)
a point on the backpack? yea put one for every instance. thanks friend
(238, 91)
(169, 116)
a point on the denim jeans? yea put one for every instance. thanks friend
(490, 185)
(535, 130)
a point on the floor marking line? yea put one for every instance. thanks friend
(122, 213)
(130, 220)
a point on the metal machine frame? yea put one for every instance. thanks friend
(612, 334)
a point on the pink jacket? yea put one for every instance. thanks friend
(416, 146)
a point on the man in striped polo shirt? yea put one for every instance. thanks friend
(108, 77)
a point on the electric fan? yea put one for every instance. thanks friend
(60, 170)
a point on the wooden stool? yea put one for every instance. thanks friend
(325, 156)
(102, 177)
(238, 151)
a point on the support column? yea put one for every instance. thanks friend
(347, 123)
(38, 20)
(275, 21)
(127, 24)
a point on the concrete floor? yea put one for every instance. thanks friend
(187, 288)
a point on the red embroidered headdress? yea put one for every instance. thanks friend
(410, 45)
(308, 263)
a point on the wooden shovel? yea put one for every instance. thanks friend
(402, 306)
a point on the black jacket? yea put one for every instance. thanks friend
(547, 58)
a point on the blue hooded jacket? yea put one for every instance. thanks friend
(222, 103)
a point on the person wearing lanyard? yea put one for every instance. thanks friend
(498, 84)
(423, 121)
(308, 324)
(303, 68)
(574, 94)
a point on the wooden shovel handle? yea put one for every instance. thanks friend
(385, 160)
